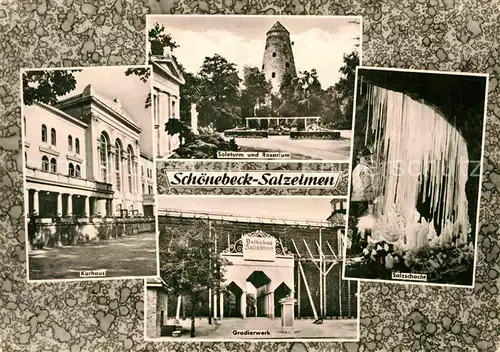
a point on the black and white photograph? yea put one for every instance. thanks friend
(89, 173)
(416, 176)
(251, 268)
(253, 87)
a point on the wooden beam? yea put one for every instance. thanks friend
(321, 291)
(308, 291)
(298, 293)
(349, 295)
(310, 253)
(331, 250)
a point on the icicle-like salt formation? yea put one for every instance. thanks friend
(415, 147)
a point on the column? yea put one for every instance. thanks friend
(111, 166)
(221, 303)
(86, 206)
(243, 304)
(137, 178)
(102, 204)
(112, 206)
(271, 304)
(215, 306)
(36, 208)
(158, 121)
(166, 114)
(70, 205)
(59, 204)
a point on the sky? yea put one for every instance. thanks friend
(319, 41)
(289, 208)
(111, 82)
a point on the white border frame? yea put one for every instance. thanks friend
(23, 127)
(284, 339)
(485, 115)
(277, 17)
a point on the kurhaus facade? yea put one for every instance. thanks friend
(83, 158)
(167, 79)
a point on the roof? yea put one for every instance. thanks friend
(60, 113)
(113, 105)
(278, 27)
(168, 66)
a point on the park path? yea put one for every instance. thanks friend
(131, 255)
(304, 329)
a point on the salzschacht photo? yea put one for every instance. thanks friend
(88, 167)
(253, 87)
(251, 268)
(416, 178)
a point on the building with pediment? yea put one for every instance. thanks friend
(167, 79)
(83, 158)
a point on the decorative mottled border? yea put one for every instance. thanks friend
(164, 167)
(450, 35)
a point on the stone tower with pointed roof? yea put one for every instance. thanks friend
(278, 55)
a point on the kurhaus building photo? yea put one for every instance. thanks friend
(88, 164)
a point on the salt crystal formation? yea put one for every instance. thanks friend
(415, 146)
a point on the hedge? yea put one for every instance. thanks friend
(315, 135)
(246, 134)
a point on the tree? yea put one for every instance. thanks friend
(345, 86)
(220, 80)
(46, 86)
(219, 94)
(189, 265)
(159, 40)
(301, 95)
(255, 92)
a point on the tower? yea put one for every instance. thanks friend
(278, 56)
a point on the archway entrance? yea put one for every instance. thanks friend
(261, 273)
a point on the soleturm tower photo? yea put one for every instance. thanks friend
(278, 56)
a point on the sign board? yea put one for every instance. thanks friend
(259, 248)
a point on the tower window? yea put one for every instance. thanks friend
(287, 64)
(273, 74)
(263, 66)
(274, 54)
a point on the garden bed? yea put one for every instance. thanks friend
(448, 265)
(246, 134)
(315, 135)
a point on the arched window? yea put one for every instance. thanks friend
(45, 163)
(70, 143)
(78, 172)
(44, 133)
(273, 74)
(274, 54)
(263, 66)
(129, 168)
(118, 174)
(71, 170)
(77, 146)
(53, 165)
(287, 64)
(103, 156)
(53, 137)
